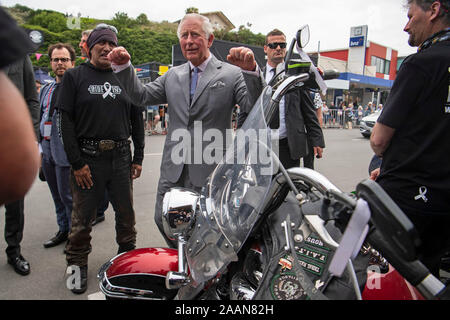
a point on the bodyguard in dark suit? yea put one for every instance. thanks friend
(296, 124)
(22, 75)
(200, 94)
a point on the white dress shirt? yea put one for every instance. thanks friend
(280, 133)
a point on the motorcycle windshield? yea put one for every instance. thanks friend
(234, 197)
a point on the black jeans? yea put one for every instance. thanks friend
(110, 170)
(14, 224)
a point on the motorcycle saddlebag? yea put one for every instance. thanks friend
(280, 282)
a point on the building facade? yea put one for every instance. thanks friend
(368, 70)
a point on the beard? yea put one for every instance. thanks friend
(412, 41)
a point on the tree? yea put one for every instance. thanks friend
(191, 10)
(121, 20)
(53, 21)
(142, 19)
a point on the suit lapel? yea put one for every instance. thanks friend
(185, 81)
(208, 75)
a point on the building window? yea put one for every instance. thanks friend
(383, 66)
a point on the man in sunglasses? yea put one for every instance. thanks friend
(55, 166)
(296, 124)
(97, 121)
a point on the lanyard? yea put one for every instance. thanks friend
(48, 101)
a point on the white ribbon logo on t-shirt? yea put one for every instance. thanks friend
(422, 194)
(106, 90)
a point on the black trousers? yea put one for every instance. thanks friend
(110, 171)
(14, 224)
(308, 160)
(285, 155)
(434, 233)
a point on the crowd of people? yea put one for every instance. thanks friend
(86, 120)
(346, 115)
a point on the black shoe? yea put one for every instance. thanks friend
(80, 285)
(98, 219)
(20, 265)
(59, 238)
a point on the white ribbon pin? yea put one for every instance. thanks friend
(107, 86)
(422, 194)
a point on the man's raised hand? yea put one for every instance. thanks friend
(119, 56)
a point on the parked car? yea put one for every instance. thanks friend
(367, 123)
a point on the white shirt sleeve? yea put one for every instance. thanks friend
(117, 68)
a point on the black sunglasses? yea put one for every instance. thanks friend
(103, 26)
(275, 45)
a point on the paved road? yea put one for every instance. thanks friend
(345, 163)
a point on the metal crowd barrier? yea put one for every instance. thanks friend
(336, 118)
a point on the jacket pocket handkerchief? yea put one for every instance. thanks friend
(219, 84)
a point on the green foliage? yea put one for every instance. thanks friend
(243, 35)
(53, 21)
(191, 10)
(142, 19)
(122, 21)
(147, 41)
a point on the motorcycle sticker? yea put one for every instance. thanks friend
(287, 287)
(312, 254)
(316, 242)
(285, 263)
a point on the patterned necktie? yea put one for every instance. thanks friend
(194, 80)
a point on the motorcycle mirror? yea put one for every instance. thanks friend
(179, 207)
(303, 36)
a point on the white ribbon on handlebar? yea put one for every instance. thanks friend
(353, 238)
(323, 87)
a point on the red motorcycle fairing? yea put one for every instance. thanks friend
(389, 286)
(139, 274)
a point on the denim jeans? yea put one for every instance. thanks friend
(110, 170)
(58, 180)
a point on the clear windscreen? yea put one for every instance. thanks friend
(234, 197)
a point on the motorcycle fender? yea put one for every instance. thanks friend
(139, 274)
(389, 286)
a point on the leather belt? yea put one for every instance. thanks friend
(104, 145)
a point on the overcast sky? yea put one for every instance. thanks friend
(329, 20)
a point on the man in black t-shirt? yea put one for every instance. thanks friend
(413, 132)
(97, 121)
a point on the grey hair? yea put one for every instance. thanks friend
(426, 4)
(206, 24)
(86, 33)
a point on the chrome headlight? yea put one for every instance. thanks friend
(179, 207)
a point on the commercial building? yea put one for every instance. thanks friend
(368, 70)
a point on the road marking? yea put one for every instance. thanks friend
(153, 154)
(97, 296)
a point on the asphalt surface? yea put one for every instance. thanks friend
(346, 159)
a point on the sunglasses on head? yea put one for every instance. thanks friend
(275, 45)
(103, 26)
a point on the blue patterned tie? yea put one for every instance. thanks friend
(194, 80)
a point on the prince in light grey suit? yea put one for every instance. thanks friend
(200, 94)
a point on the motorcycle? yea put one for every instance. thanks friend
(259, 232)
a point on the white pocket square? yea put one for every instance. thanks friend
(218, 84)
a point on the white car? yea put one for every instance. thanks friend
(367, 123)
